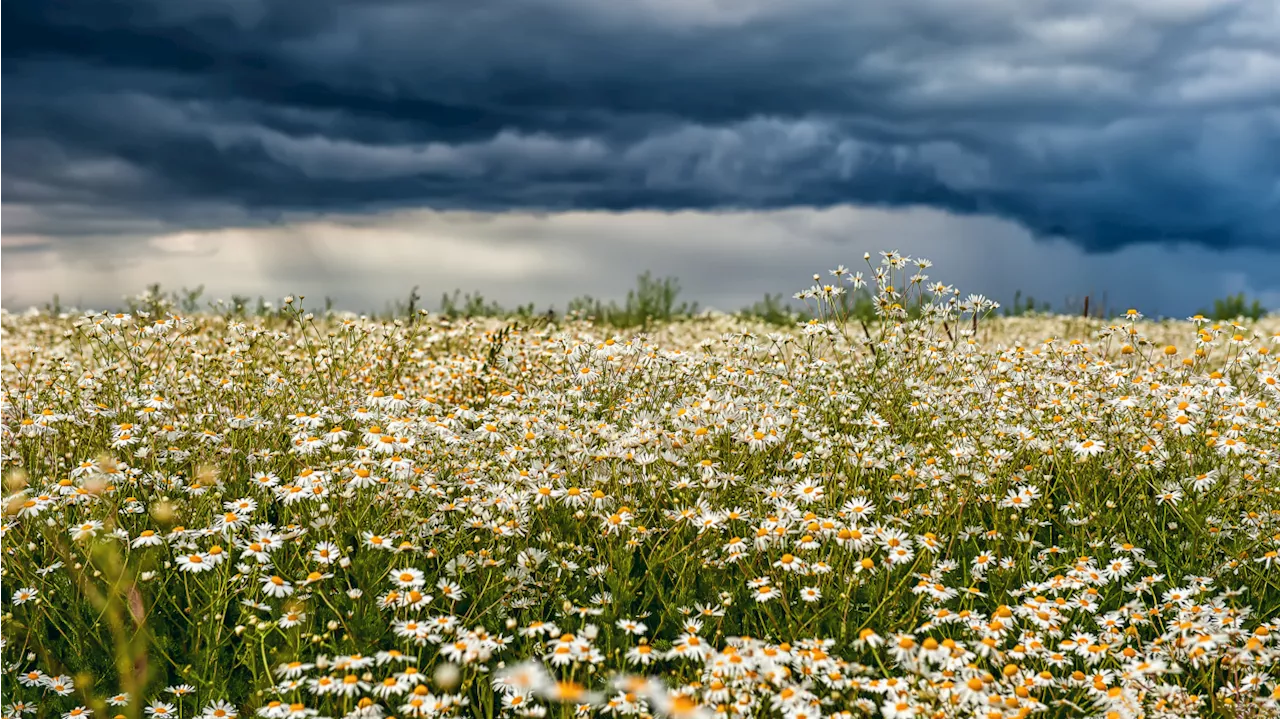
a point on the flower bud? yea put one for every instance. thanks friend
(447, 676)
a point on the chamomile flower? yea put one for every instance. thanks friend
(276, 586)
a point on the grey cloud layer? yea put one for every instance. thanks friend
(365, 261)
(1108, 123)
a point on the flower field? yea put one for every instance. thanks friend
(940, 513)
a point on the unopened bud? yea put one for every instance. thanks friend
(207, 474)
(446, 676)
(162, 512)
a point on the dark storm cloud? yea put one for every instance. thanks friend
(1108, 123)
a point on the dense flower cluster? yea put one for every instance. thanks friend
(939, 514)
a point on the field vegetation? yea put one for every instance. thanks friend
(882, 497)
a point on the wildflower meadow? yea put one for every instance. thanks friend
(935, 512)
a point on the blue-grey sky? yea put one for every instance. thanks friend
(1057, 146)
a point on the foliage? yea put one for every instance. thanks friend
(1021, 307)
(652, 300)
(773, 310)
(1233, 307)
